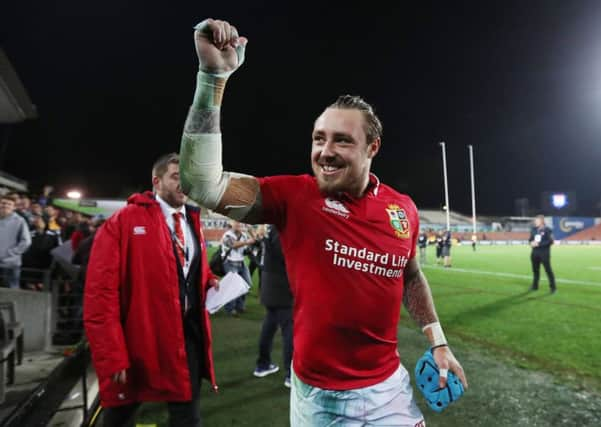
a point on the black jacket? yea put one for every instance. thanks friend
(544, 237)
(38, 254)
(275, 288)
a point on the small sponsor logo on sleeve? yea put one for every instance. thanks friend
(139, 230)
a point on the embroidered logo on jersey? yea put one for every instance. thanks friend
(335, 207)
(139, 229)
(399, 221)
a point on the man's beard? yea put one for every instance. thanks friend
(174, 200)
(329, 188)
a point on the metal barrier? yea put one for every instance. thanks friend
(66, 325)
(67, 311)
(35, 279)
(40, 406)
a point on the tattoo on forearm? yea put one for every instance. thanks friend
(202, 121)
(418, 299)
(243, 191)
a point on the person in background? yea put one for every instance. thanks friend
(276, 296)
(45, 199)
(255, 251)
(38, 256)
(447, 242)
(144, 315)
(51, 218)
(36, 209)
(541, 239)
(233, 245)
(83, 229)
(422, 243)
(15, 239)
(24, 209)
(72, 224)
(439, 245)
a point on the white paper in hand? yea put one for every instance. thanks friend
(231, 286)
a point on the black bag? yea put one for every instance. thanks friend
(216, 262)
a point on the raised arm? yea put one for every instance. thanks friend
(420, 305)
(220, 52)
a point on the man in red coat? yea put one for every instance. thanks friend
(144, 314)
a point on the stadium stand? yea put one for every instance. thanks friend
(494, 235)
(434, 218)
(591, 233)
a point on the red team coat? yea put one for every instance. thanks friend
(345, 259)
(132, 311)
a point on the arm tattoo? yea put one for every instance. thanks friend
(202, 121)
(255, 215)
(417, 298)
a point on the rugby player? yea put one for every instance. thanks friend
(349, 242)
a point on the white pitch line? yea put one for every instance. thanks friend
(594, 268)
(513, 275)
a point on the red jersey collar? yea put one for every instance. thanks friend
(373, 188)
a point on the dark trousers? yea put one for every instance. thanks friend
(275, 317)
(181, 414)
(544, 259)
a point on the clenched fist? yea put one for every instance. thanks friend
(219, 48)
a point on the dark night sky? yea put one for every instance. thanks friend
(521, 81)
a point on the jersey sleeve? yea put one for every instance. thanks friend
(277, 193)
(414, 229)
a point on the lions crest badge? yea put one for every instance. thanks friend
(399, 221)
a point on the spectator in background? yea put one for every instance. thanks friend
(422, 243)
(36, 209)
(276, 296)
(81, 256)
(24, 209)
(439, 244)
(83, 230)
(69, 222)
(14, 241)
(51, 218)
(38, 255)
(44, 200)
(447, 242)
(233, 245)
(255, 251)
(541, 239)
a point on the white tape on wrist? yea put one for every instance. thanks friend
(443, 372)
(438, 337)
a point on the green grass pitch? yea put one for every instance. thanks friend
(485, 308)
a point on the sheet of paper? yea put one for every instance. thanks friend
(231, 286)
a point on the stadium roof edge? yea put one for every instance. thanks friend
(15, 105)
(12, 183)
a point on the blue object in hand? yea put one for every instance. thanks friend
(427, 379)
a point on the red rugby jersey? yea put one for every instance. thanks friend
(345, 259)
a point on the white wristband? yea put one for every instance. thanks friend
(438, 337)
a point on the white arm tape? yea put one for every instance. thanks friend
(201, 172)
(438, 337)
